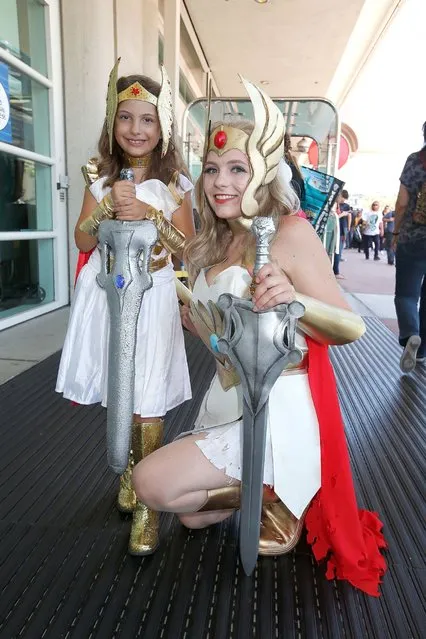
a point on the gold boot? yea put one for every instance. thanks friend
(226, 498)
(146, 438)
(126, 500)
(229, 498)
(280, 530)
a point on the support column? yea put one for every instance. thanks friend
(88, 56)
(172, 46)
(129, 35)
(150, 39)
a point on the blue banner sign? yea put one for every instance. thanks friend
(321, 191)
(5, 120)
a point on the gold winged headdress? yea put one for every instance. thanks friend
(137, 92)
(264, 146)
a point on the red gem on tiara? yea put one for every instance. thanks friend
(135, 91)
(220, 139)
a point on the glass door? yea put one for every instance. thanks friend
(33, 233)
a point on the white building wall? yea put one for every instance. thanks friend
(95, 33)
(387, 107)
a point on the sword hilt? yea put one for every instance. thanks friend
(263, 228)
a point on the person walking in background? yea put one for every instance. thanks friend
(385, 211)
(389, 227)
(345, 219)
(410, 242)
(356, 230)
(342, 213)
(372, 230)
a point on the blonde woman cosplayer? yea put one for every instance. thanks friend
(307, 479)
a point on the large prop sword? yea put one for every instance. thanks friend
(260, 345)
(125, 257)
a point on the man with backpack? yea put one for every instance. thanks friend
(410, 241)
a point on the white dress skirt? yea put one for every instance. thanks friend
(161, 369)
(292, 457)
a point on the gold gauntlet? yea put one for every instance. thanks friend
(329, 324)
(170, 237)
(104, 211)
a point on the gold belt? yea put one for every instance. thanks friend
(156, 265)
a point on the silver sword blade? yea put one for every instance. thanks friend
(252, 484)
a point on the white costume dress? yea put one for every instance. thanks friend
(292, 457)
(161, 370)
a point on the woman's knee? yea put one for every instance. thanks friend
(150, 485)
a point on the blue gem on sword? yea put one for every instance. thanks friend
(119, 281)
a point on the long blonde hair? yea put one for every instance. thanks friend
(211, 244)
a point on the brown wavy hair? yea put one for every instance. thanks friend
(160, 168)
(211, 244)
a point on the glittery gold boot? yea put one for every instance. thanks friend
(146, 438)
(126, 500)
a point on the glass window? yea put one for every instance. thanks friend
(29, 113)
(25, 195)
(23, 32)
(185, 91)
(26, 275)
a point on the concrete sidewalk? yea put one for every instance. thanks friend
(371, 283)
(23, 346)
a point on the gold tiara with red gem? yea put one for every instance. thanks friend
(224, 138)
(264, 146)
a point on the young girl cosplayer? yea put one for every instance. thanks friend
(307, 477)
(137, 133)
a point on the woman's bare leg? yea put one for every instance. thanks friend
(176, 479)
(202, 520)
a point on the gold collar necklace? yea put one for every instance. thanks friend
(138, 163)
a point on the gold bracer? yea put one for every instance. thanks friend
(104, 211)
(329, 324)
(90, 171)
(170, 237)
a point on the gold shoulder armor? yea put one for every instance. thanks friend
(172, 186)
(90, 171)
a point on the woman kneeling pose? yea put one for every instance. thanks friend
(307, 478)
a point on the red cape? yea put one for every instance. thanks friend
(349, 538)
(83, 258)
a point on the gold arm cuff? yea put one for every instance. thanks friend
(90, 171)
(104, 211)
(329, 324)
(170, 237)
(157, 265)
(172, 186)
